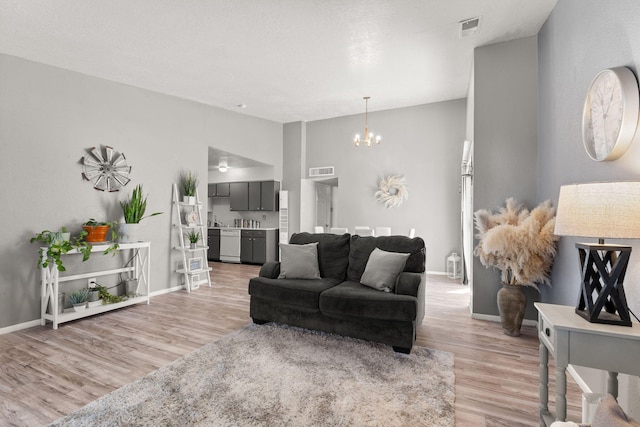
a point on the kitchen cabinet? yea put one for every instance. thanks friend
(254, 196)
(239, 193)
(258, 246)
(220, 189)
(263, 195)
(213, 241)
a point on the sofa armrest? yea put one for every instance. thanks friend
(413, 284)
(270, 269)
(408, 284)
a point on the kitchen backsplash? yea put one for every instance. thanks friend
(219, 211)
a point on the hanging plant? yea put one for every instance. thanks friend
(392, 191)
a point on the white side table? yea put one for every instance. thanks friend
(572, 340)
(50, 280)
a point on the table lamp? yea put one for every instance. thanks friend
(603, 210)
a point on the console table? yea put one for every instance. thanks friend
(50, 283)
(572, 340)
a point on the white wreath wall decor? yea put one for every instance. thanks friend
(392, 191)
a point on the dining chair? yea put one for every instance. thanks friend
(383, 231)
(338, 230)
(364, 231)
(318, 229)
(361, 230)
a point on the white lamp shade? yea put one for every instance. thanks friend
(599, 209)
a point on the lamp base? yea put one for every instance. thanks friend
(604, 318)
(603, 269)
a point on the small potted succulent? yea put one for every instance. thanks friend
(79, 299)
(189, 182)
(194, 237)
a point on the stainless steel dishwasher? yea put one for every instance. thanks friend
(230, 245)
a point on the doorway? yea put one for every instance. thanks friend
(323, 205)
(318, 203)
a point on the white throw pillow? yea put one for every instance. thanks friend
(383, 269)
(299, 261)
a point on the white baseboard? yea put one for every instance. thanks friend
(494, 318)
(19, 326)
(437, 273)
(167, 291)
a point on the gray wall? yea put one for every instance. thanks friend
(580, 38)
(50, 116)
(293, 147)
(423, 143)
(505, 138)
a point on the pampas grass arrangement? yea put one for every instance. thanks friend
(518, 242)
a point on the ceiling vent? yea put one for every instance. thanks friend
(323, 171)
(469, 27)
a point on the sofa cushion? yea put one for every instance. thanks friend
(361, 248)
(333, 252)
(382, 269)
(291, 292)
(351, 299)
(299, 261)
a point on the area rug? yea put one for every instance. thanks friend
(271, 375)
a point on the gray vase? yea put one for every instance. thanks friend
(512, 303)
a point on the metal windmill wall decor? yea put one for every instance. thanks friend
(105, 168)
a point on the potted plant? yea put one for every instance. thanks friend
(93, 297)
(57, 243)
(106, 297)
(194, 237)
(97, 231)
(521, 244)
(133, 209)
(79, 299)
(189, 182)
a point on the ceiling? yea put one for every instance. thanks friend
(286, 60)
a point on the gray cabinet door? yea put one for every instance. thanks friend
(213, 241)
(246, 246)
(222, 189)
(239, 193)
(259, 250)
(255, 196)
(268, 196)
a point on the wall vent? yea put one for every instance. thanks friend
(469, 27)
(322, 171)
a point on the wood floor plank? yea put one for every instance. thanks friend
(45, 374)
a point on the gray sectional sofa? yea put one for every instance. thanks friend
(337, 302)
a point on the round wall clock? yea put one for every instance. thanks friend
(107, 170)
(610, 114)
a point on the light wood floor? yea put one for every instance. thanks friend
(45, 374)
